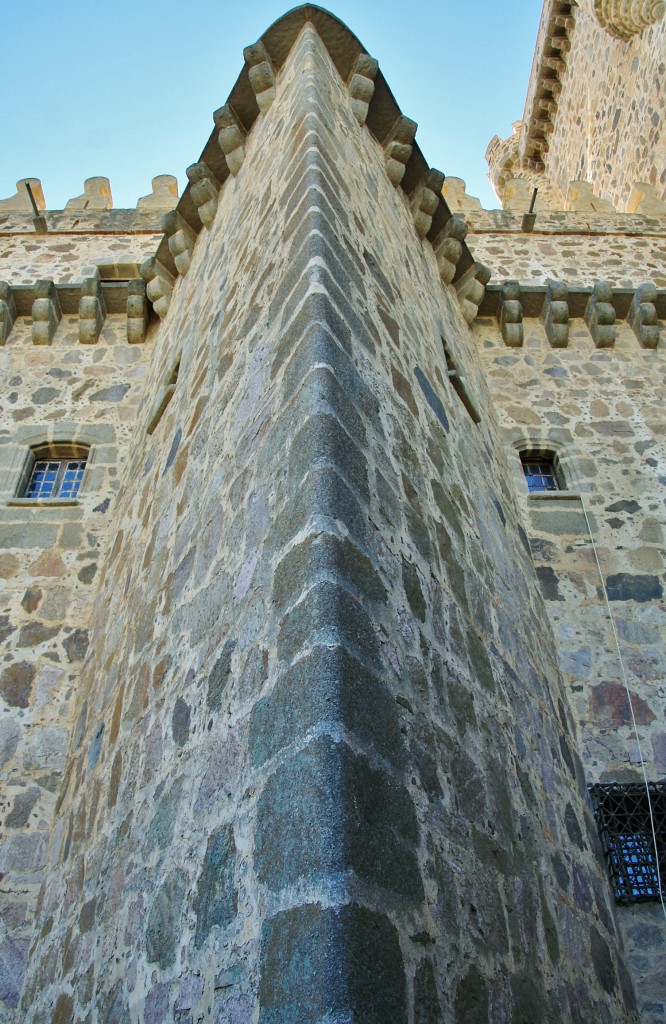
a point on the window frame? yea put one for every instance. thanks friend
(62, 452)
(548, 458)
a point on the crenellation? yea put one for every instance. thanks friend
(164, 194)
(96, 196)
(46, 312)
(21, 200)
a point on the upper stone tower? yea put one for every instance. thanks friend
(595, 111)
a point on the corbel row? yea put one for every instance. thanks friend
(556, 305)
(425, 197)
(93, 300)
(181, 227)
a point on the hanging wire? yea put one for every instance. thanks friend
(631, 706)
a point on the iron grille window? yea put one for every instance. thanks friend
(623, 818)
(540, 473)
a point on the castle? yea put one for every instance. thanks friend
(332, 550)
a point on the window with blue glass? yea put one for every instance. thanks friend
(55, 473)
(540, 472)
(631, 818)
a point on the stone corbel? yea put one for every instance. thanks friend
(137, 312)
(7, 311)
(624, 18)
(555, 314)
(46, 313)
(600, 315)
(510, 314)
(261, 73)
(231, 136)
(398, 149)
(642, 316)
(181, 239)
(471, 288)
(425, 200)
(448, 248)
(159, 285)
(91, 309)
(362, 85)
(204, 191)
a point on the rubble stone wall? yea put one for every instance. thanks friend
(602, 412)
(324, 764)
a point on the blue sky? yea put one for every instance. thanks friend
(127, 89)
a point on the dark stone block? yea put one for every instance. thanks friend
(549, 583)
(623, 586)
(217, 680)
(173, 450)
(20, 813)
(63, 1012)
(412, 585)
(602, 961)
(16, 684)
(333, 964)
(325, 557)
(471, 1002)
(327, 811)
(95, 748)
(76, 645)
(327, 686)
(180, 722)
(323, 439)
(480, 662)
(431, 398)
(163, 930)
(216, 901)
(35, 633)
(426, 1001)
(320, 392)
(113, 394)
(328, 615)
(322, 493)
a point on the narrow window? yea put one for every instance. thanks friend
(459, 384)
(625, 827)
(54, 472)
(540, 472)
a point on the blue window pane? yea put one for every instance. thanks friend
(55, 479)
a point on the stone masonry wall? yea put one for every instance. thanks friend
(602, 412)
(579, 249)
(324, 765)
(49, 563)
(609, 128)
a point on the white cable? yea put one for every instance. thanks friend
(631, 706)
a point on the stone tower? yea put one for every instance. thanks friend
(287, 737)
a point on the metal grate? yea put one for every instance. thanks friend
(623, 818)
